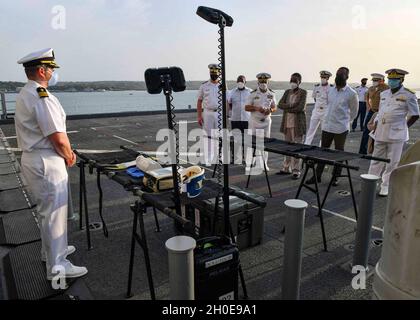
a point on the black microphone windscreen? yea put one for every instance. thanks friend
(212, 15)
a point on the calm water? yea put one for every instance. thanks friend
(123, 101)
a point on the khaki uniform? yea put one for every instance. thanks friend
(374, 96)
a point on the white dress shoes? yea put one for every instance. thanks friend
(70, 250)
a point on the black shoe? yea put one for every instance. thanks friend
(335, 183)
(283, 173)
(296, 176)
(312, 180)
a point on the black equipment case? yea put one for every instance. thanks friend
(216, 269)
(246, 218)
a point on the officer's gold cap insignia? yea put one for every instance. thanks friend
(396, 73)
(42, 92)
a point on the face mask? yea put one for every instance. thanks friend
(394, 83)
(324, 81)
(294, 85)
(214, 77)
(54, 79)
(263, 86)
(375, 83)
(241, 85)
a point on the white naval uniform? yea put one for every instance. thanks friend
(392, 131)
(320, 95)
(260, 124)
(209, 94)
(44, 170)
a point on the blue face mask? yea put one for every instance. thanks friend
(394, 83)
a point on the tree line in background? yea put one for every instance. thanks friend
(136, 85)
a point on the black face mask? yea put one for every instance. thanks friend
(340, 80)
(214, 77)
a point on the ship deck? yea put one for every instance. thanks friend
(325, 275)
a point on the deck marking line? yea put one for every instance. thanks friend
(346, 218)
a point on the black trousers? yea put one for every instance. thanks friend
(362, 115)
(326, 141)
(242, 126)
(365, 137)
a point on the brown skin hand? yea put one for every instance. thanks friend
(412, 120)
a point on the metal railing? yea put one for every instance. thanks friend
(3, 105)
(4, 115)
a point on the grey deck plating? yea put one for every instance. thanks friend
(323, 274)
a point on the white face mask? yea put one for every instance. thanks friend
(263, 86)
(375, 83)
(54, 79)
(241, 85)
(324, 81)
(293, 85)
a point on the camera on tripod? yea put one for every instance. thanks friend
(168, 78)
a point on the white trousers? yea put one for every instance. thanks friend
(259, 128)
(316, 120)
(210, 124)
(387, 150)
(46, 175)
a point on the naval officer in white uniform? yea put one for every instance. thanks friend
(41, 133)
(398, 111)
(261, 103)
(207, 105)
(320, 96)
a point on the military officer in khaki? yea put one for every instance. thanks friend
(372, 102)
(398, 111)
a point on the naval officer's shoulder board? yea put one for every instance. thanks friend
(42, 92)
(409, 90)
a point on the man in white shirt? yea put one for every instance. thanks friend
(398, 111)
(41, 133)
(343, 106)
(320, 96)
(362, 91)
(239, 117)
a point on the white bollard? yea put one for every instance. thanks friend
(397, 275)
(293, 244)
(181, 267)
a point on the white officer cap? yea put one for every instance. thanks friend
(377, 76)
(396, 73)
(263, 76)
(45, 56)
(214, 68)
(325, 73)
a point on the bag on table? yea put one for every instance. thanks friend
(147, 164)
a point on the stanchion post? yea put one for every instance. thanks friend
(181, 267)
(365, 220)
(293, 244)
